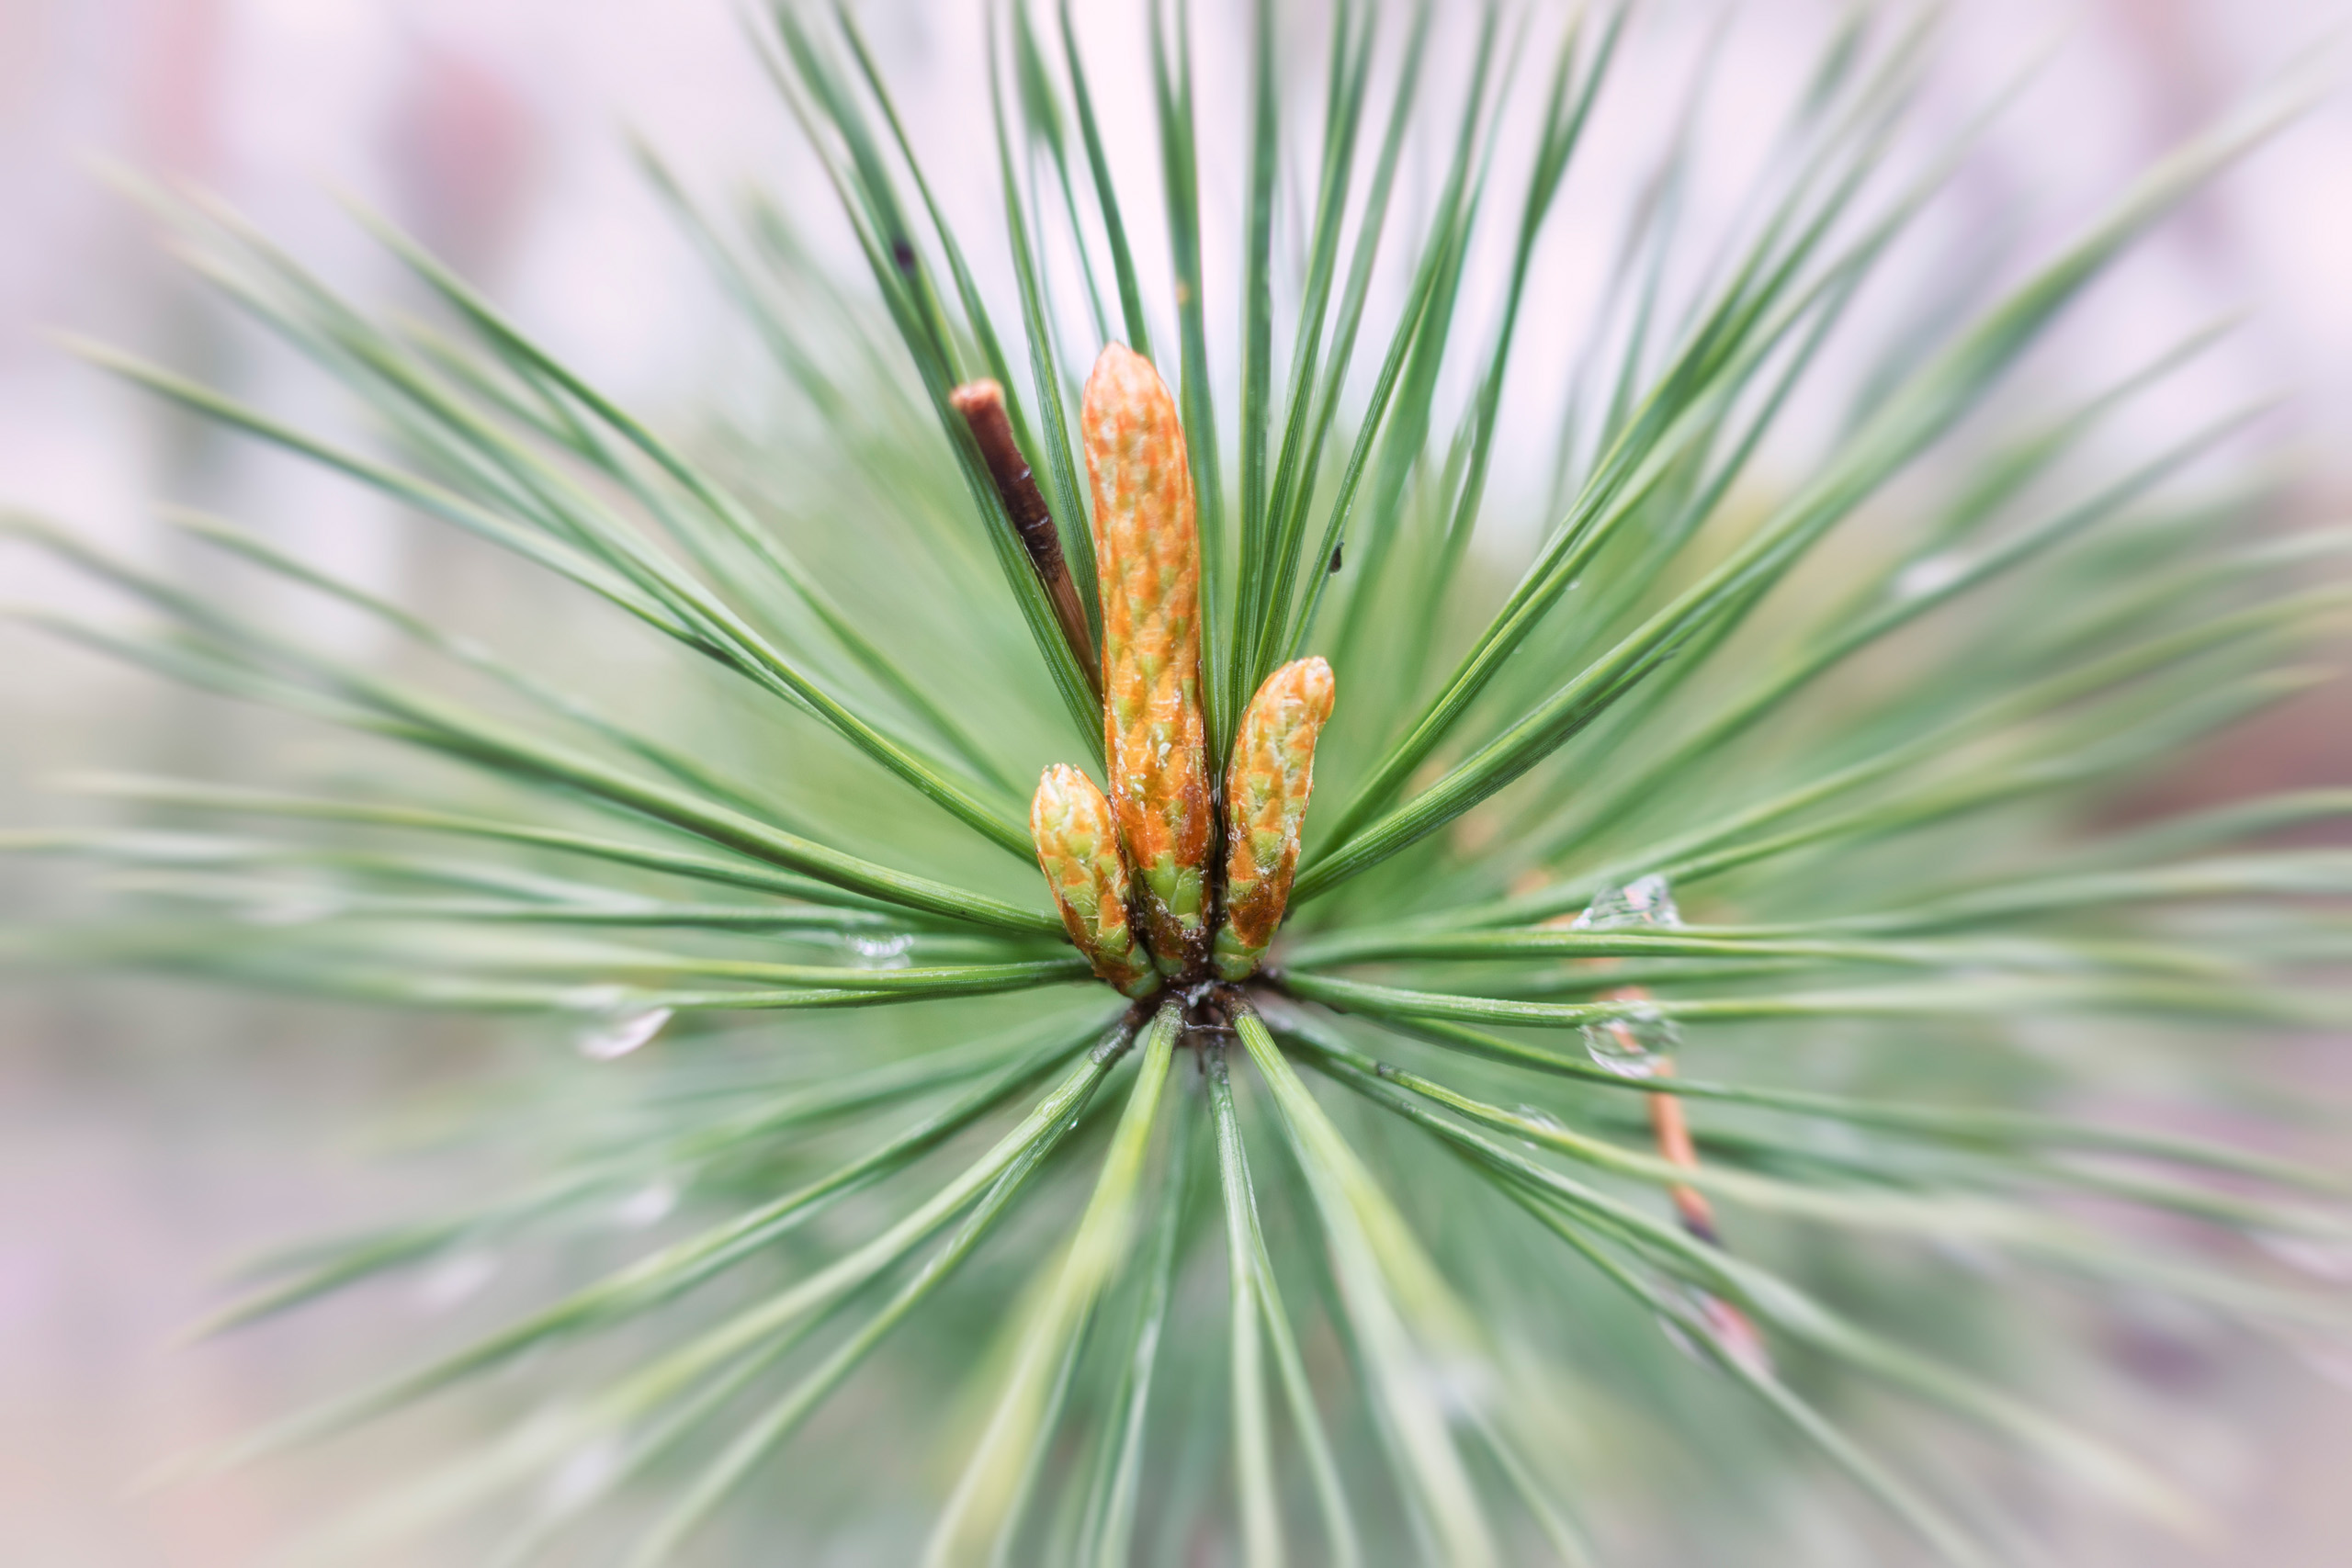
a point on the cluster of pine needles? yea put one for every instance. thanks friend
(1700, 1008)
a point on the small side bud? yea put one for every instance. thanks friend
(1266, 790)
(1148, 552)
(1077, 845)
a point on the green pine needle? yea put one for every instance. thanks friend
(1386, 1252)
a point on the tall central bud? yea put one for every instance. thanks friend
(1147, 550)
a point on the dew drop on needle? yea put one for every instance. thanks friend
(297, 909)
(1734, 1334)
(1538, 1121)
(1630, 1042)
(882, 952)
(648, 1205)
(1929, 574)
(1647, 901)
(2326, 1259)
(582, 1476)
(2331, 1359)
(454, 1280)
(619, 1032)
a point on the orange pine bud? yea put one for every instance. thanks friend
(1266, 789)
(1077, 845)
(1148, 551)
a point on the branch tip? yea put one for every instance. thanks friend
(981, 403)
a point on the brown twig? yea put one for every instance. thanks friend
(1733, 1329)
(1673, 1135)
(982, 405)
(1669, 1126)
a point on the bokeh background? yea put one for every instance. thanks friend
(149, 1134)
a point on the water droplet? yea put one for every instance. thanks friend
(882, 952)
(646, 1206)
(2328, 1259)
(2330, 1359)
(582, 1476)
(619, 1032)
(1538, 1120)
(1462, 1386)
(294, 909)
(1928, 574)
(1734, 1333)
(454, 1280)
(1970, 1254)
(1681, 1341)
(1629, 1044)
(1647, 901)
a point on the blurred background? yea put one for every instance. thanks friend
(149, 1136)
